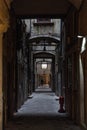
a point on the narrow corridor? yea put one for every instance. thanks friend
(40, 112)
(43, 42)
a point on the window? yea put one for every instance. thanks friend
(43, 21)
(44, 65)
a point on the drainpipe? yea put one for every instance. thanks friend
(30, 27)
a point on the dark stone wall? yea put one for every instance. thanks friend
(9, 61)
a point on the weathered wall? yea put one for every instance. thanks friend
(46, 29)
(78, 89)
(71, 64)
(22, 66)
(83, 85)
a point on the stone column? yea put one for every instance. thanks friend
(3, 28)
(1, 102)
(4, 23)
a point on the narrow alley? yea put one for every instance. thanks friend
(43, 64)
(40, 112)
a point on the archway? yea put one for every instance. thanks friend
(44, 57)
(46, 50)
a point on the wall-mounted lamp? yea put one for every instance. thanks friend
(80, 36)
(83, 47)
(84, 40)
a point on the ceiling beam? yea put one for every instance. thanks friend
(76, 3)
(41, 7)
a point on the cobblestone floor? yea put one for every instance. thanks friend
(40, 112)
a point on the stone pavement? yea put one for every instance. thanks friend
(41, 103)
(40, 112)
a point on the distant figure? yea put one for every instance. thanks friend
(42, 82)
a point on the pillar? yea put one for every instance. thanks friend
(1, 102)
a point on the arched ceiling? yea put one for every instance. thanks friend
(43, 55)
(47, 38)
(32, 8)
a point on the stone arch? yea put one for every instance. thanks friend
(48, 56)
(43, 54)
(49, 38)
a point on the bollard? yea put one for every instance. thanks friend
(61, 102)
